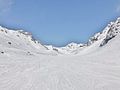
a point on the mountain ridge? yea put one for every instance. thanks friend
(103, 37)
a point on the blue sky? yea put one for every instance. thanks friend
(59, 22)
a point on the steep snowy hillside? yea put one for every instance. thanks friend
(25, 64)
(21, 40)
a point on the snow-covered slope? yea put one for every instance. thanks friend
(21, 40)
(25, 64)
(18, 40)
(107, 34)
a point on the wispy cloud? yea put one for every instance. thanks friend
(5, 5)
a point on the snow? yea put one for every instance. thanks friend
(26, 64)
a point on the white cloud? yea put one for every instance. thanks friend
(5, 5)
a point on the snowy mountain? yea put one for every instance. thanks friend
(108, 33)
(26, 64)
(102, 38)
(21, 40)
(24, 40)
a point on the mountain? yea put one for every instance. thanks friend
(26, 64)
(21, 40)
(101, 39)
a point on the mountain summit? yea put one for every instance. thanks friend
(26, 64)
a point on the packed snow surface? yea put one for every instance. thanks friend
(26, 64)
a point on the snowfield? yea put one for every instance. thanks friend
(25, 64)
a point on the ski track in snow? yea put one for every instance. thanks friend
(94, 71)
